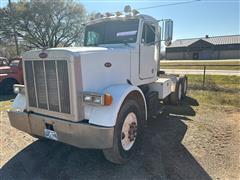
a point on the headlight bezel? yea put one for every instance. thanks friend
(96, 99)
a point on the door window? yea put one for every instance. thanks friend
(148, 35)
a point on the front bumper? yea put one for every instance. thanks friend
(82, 135)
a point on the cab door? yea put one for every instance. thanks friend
(147, 64)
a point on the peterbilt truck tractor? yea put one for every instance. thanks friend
(100, 95)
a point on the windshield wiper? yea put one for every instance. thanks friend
(118, 42)
(124, 42)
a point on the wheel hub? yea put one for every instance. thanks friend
(129, 131)
(132, 131)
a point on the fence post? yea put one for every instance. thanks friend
(204, 76)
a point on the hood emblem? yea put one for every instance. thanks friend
(43, 55)
(107, 64)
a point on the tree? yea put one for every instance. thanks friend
(47, 23)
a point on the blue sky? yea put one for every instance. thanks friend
(212, 17)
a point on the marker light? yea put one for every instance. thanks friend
(118, 13)
(108, 14)
(135, 12)
(98, 16)
(127, 9)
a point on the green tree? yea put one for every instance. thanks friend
(45, 23)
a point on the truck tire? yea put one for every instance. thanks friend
(166, 100)
(184, 81)
(176, 96)
(7, 86)
(127, 132)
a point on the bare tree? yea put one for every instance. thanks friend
(49, 23)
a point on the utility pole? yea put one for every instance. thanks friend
(13, 27)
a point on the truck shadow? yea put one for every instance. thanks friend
(162, 156)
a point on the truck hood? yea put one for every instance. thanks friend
(81, 49)
(98, 67)
(102, 67)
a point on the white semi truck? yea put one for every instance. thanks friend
(100, 95)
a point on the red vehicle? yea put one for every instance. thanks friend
(10, 75)
(3, 61)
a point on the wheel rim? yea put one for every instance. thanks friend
(185, 86)
(180, 92)
(129, 131)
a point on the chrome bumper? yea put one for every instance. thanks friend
(82, 135)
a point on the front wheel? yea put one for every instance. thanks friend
(127, 132)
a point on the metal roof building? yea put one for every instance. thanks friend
(218, 47)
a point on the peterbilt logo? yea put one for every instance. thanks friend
(108, 64)
(43, 55)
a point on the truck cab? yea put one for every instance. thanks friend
(136, 37)
(100, 95)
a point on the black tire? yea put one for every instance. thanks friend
(7, 86)
(117, 154)
(166, 100)
(174, 96)
(184, 82)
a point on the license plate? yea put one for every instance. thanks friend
(50, 134)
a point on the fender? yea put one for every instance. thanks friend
(107, 115)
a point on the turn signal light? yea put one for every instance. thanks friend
(107, 99)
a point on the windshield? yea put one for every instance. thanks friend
(14, 63)
(111, 32)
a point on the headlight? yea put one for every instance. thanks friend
(87, 98)
(18, 88)
(97, 99)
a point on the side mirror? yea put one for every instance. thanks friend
(167, 31)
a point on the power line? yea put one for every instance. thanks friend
(170, 4)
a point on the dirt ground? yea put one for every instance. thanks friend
(190, 141)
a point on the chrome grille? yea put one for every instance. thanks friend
(63, 86)
(47, 85)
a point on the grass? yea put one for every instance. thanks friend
(215, 83)
(218, 90)
(192, 65)
(6, 102)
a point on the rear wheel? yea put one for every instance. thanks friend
(166, 100)
(127, 132)
(176, 96)
(184, 82)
